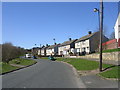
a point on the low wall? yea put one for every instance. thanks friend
(106, 56)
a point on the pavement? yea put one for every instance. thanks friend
(44, 74)
(94, 81)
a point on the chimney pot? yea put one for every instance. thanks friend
(90, 32)
(70, 39)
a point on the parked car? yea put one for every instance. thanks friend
(51, 58)
(34, 57)
(27, 55)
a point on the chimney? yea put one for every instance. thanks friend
(70, 39)
(46, 45)
(90, 32)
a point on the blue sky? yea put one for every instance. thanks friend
(28, 23)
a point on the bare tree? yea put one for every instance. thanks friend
(112, 35)
(10, 52)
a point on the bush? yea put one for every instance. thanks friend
(17, 61)
(10, 52)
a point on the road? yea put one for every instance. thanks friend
(44, 74)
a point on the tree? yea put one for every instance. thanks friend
(10, 52)
(112, 35)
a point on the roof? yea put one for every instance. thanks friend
(45, 47)
(52, 46)
(86, 37)
(67, 42)
(109, 42)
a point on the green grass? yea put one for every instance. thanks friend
(111, 50)
(43, 58)
(6, 67)
(21, 61)
(113, 73)
(83, 64)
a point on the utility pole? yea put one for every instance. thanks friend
(40, 50)
(101, 33)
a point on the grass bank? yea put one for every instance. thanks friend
(83, 64)
(19, 61)
(112, 73)
(86, 65)
(111, 50)
(4, 67)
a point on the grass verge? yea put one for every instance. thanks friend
(111, 50)
(87, 65)
(112, 73)
(83, 64)
(19, 61)
(43, 57)
(6, 68)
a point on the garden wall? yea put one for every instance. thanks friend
(106, 56)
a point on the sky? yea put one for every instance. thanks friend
(25, 24)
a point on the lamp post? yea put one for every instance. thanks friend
(54, 40)
(100, 12)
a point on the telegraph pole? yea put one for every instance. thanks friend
(101, 33)
(40, 50)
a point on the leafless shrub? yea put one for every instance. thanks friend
(10, 52)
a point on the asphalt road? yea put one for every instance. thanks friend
(44, 74)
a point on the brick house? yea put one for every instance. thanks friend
(111, 44)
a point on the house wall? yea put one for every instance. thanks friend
(117, 28)
(95, 40)
(63, 50)
(56, 50)
(42, 52)
(82, 46)
(49, 51)
(52, 51)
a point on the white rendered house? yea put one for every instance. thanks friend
(117, 28)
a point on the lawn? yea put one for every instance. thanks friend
(111, 50)
(6, 67)
(43, 57)
(21, 61)
(113, 73)
(83, 64)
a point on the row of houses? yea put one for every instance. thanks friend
(84, 45)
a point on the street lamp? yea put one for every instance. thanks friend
(96, 10)
(54, 40)
(100, 14)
